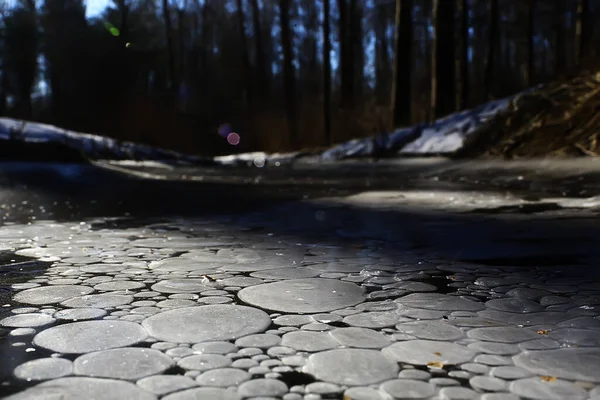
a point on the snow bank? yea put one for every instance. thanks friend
(448, 134)
(91, 146)
(444, 136)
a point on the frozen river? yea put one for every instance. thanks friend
(422, 279)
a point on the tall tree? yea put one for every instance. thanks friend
(289, 73)
(4, 88)
(21, 43)
(444, 47)
(326, 73)
(346, 10)
(247, 75)
(172, 73)
(123, 8)
(3, 63)
(382, 58)
(307, 49)
(531, 7)
(560, 14)
(205, 39)
(358, 56)
(269, 14)
(401, 99)
(182, 31)
(462, 57)
(492, 43)
(584, 31)
(261, 74)
(433, 97)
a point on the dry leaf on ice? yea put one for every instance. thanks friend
(435, 364)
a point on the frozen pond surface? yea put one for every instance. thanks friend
(420, 294)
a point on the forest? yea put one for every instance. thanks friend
(283, 74)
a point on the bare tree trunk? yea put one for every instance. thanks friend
(173, 83)
(21, 41)
(462, 58)
(560, 13)
(247, 96)
(382, 60)
(505, 44)
(547, 65)
(492, 48)
(327, 73)
(358, 58)
(434, 60)
(193, 60)
(530, 42)
(3, 89)
(401, 100)
(343, 44)
(124, 13)
(181, 44)
(444, 46)
(204, 37)
(30, 6)
(312, 68)
(258, 49)
(289, 78)
(346, 56)
(584, 32)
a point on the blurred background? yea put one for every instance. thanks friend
(284, 74)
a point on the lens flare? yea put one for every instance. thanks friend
(233, 139)
(224, 130)
(112, 29)
(259, 161)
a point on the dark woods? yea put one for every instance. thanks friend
(286, 74)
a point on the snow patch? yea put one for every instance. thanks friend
(460, 201)
(234, 159)
(141, 164)
(448, 134)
